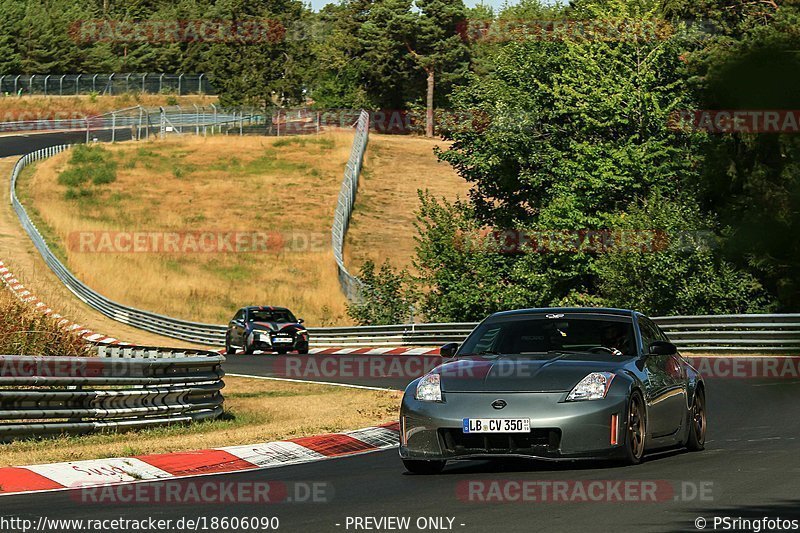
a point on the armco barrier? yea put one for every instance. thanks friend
(718, 333)
(75, 395)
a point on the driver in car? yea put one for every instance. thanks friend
(616, 339)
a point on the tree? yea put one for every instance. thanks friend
(271, 70)
(430, 33)
(576, 138)
(386, 298)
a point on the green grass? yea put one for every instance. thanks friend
(228, 272)
(88, 165)
(325, 144)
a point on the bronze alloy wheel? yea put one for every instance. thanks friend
(697, 430)
(636, 429)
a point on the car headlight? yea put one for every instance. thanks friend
(263, 337)
(592, 387)
(429, 389)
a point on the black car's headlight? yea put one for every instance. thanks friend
(592, 387)
(429, 388)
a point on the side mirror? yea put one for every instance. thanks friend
(300, 320)
(449, 349)
(663, 348)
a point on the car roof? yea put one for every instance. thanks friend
(587, 310)
(264, 308)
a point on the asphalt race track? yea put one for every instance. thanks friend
(22, 143)
(388, 372)
(751, 463)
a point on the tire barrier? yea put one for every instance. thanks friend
(42, 396)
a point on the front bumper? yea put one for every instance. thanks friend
(268, 342)
(559, 429)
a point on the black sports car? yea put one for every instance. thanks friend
(554, 384)
(266, 328)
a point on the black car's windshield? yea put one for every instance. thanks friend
(271, 316)
(555, 333)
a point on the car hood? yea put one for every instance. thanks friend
(288, 327)
(559, 373)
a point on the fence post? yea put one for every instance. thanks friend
(241, 123)
(113, 127)
(163, 127)
(196, 119)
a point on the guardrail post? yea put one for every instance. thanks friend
(113, 127)
(87, 130)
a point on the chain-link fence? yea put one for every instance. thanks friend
(351, 286)
(107, 84)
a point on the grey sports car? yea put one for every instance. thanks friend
(569, 383)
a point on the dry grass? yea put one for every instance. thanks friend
(18, 253)
(13, 108)
(25, 331)
(259, 411)
(396, 167)
(207, 184)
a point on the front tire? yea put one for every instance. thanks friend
(424, 468)
(697, 422)
(229, 349)
(248, 348)
(635, 430)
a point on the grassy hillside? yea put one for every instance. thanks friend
(286, 188)
(382, 226)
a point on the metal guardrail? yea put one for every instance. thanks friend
(76, 395)
(351, 286)
(113, 83)
(716, 333)
(139, 122)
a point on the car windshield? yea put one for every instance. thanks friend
(547, 333)
(266, 315)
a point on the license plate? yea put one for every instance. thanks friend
(496, 425)
(282, 339)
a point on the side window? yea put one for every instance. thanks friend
(488, 340)
(650, 333)
(239, 314)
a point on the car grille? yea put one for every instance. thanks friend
(538, 442)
